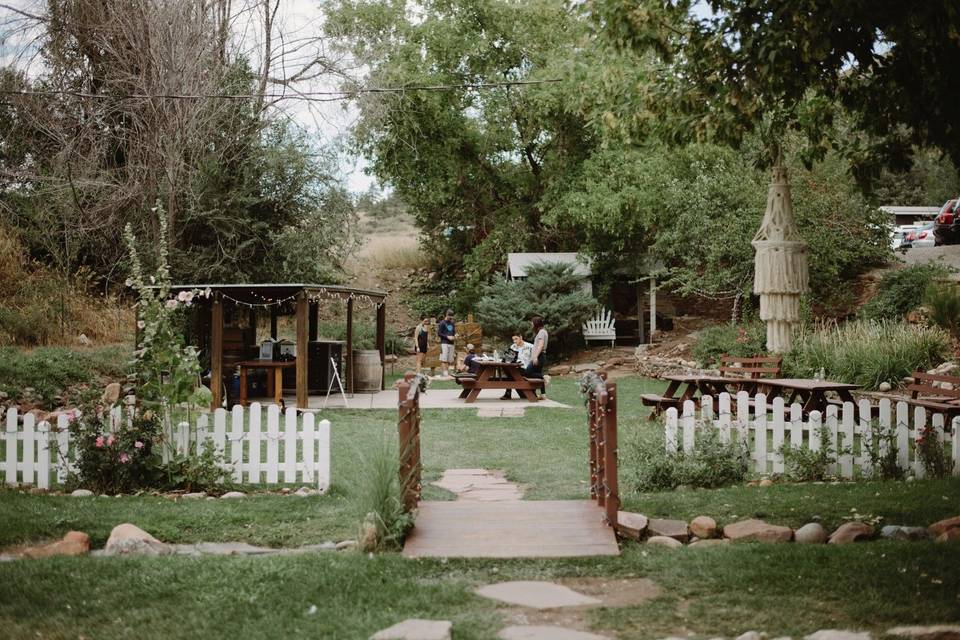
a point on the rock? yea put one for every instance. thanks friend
(84, 340)
(198, 495)
(128, 539)
(938, 528)
(535, 595)
(231, 495)
(908, 380)
(895, 532)
(416, 629)
(4, 395)
(752, 635)
(766, 482)
(303, 492)
(229, 549)
(851, 532)
(753, 530)
(950, 535)
(835, 634)
(75, 543)
(615, 362)
(587, 366)
(811, 533)
(676, 529)
(713, 542)
(543, 632)
(111, 394)
(346, 545)
(703, 527)
(631, 525)
(664, 541)
(884, 387)
(559, 370)
(932, 632)
(82, 493)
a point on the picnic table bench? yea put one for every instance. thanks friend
(924, 394)
(497, 375)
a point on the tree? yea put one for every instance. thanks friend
(551, 290)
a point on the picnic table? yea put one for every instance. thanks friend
(274, 377)
(810, 394)
(498, 375)
(689, 385)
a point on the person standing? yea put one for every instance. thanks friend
(538, 358)
(447, 330)
(421, 339)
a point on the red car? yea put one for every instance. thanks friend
(946, 227)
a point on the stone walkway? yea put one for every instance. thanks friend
(432, 399)
(479, 485)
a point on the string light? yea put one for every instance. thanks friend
(321, 293)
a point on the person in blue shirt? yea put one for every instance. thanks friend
(447, 330)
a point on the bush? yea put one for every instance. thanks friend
(125, 460)
(866, 352)
(379, 501)
(803, 464)
(942, 302)
(736, 340)
(364, 336)
(901, 291)
(649, 466)
(551, 290)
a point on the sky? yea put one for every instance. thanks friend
(298, 26)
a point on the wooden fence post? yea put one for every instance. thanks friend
(610, 455)
(408, 428)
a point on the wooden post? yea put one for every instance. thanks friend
(408, 430)
(314, 320)
(303, 351)
(273, 322)
(216, 351)
(610, 456)
(382, 342)
(653, 307)
(349, 357)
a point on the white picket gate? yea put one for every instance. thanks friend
(763, 427)
(296, 451)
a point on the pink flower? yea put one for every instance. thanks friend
(99, 442)
(124, 458)
(171, 303)
(138, 445)
(110, 440)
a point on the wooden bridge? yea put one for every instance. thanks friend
(511, 528)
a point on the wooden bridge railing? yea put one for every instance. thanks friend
(408, 428)
(602, 416)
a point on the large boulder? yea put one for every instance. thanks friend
(676, 529)
(753, 530)
(631, 525)
(811, 533)
(74, 543)
(664, 541)
(851, 532)
(703, 527)
(129, 539)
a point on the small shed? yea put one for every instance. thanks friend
(225, 318)
(519, 263)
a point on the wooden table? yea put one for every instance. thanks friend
(810, 394)
(274, 378)
(690, 385)
(498, 375)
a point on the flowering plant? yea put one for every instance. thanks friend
(930, 451)
(120, 461)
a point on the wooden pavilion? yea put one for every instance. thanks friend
(218, 309)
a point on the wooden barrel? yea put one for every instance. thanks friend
(367, 370)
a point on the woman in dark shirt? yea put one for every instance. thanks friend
(421, 340)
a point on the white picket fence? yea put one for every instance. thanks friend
(291, 450)
(764, 427)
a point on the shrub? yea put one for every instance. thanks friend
(932, 454)
(901, 291)
(866, 352)
(712, 463)
(364, 336)
(942, 302)
(736, 340)
(803, 464)
(125, 460)
(59, 371)
(551, 290)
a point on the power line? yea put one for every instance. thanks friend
(309, 96)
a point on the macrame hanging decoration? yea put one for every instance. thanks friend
(781, 274)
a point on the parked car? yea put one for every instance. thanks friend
(901, 232)
(947, 225)
(922, 236)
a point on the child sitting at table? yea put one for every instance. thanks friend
(469, 365)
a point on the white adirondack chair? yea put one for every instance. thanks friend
(601, 327)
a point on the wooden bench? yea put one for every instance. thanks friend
(602, 327)
(924, 394)
(753, 367)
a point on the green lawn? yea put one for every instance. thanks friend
(786, 590)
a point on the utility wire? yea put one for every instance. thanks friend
(309, 96)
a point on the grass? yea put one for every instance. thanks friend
(59, 371)
(785, 589)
